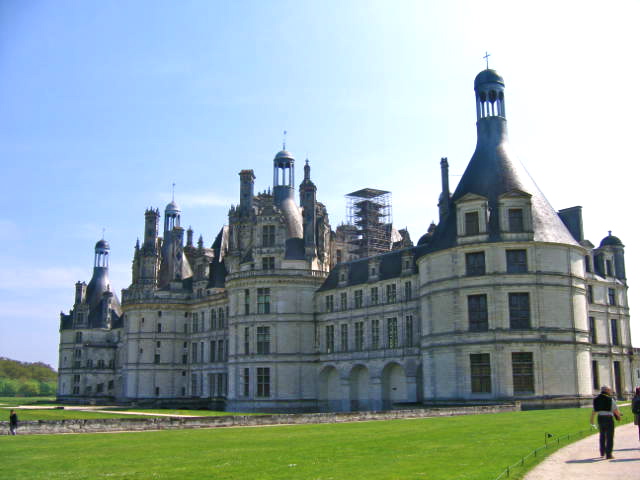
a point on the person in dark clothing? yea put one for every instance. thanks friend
(604, 405)
(635, 408)
(13, 422)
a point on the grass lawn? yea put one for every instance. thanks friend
(461, 448)
(15, 401)
(53, 414)
(167, 411)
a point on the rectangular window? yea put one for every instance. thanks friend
(357, 299)
(78, 337)
(480, 372)
(516, 261)
(595, 375)
(329, 302)
(247, 300)
(478, 313)
(194, 353)
(194, 384)
(212, 320)
(156, 358)
(374, 296)
(609, 268)
(516, 220)
(392, 332)
(391, 293)
(615, 338)
(245, 382)
(375, 333)
(587, 263)
(212, 351)
(612, 296)
(159, 327)
(222, 351)
(263, 382)
(343, 301)
(408, 330)
(264, 300)
(471, 223)
(268, 235)
(522, 367)
(247, 332)
(263, 340)
(593, 337)
(475, 263)
(408, 291)
(194, 323)
(519, 312)
(359, 340)
(329, 338)
(344, 337)
(268, 263)
(590, 293)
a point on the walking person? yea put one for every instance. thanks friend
(13, 422)
(635, 408)
(605, 406)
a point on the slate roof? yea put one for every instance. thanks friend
(390, 266)
(492, 172)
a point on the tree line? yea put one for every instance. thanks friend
(26, 379)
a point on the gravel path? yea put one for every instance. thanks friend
(581, 460)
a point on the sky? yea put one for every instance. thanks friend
(103, 105)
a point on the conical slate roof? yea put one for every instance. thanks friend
(492, 172)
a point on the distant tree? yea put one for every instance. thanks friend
(8, 386)
(29, 388)
(47, 388)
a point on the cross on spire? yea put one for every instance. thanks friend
(173, 191)
(104, 229)
(284, 140)
(486, 57)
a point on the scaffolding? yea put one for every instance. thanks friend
(369, 210)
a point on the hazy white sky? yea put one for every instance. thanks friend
(105, 104)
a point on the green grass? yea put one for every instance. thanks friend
(167, 411)
(461, 448)
(54, 414)
(16, 401)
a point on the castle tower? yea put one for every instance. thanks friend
(308, 203)
(507, 252)
(283, 177)
(247, 179)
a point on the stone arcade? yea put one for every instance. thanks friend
(503, 300)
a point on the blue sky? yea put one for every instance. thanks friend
(103, 105)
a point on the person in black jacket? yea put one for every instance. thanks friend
(635, 408)
(604, 405)
(13, 422)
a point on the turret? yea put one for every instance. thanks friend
(246, 191)
(614, 244)
(445, 196)
(81, 292)
(308, 203)
(151, 218)
(283, 177)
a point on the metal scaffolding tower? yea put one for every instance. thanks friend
(369, 210)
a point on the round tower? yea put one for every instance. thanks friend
(283, 177)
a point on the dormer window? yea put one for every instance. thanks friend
(471, 223)
(473, 217)
(515, 215)
(516, 220)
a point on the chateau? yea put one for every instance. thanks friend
(503, 300)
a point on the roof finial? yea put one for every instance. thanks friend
(486, 57)
(609, 232)
(284, 140)
(104, 229)
(173, 191)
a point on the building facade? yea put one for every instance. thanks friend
(502, 300)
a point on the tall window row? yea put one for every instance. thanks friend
(377, 296)
(381, 334)
(516, 262)
(519, 312)
(522, 370)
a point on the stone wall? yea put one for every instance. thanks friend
(172, 423)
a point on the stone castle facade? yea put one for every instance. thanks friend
(503, 300)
